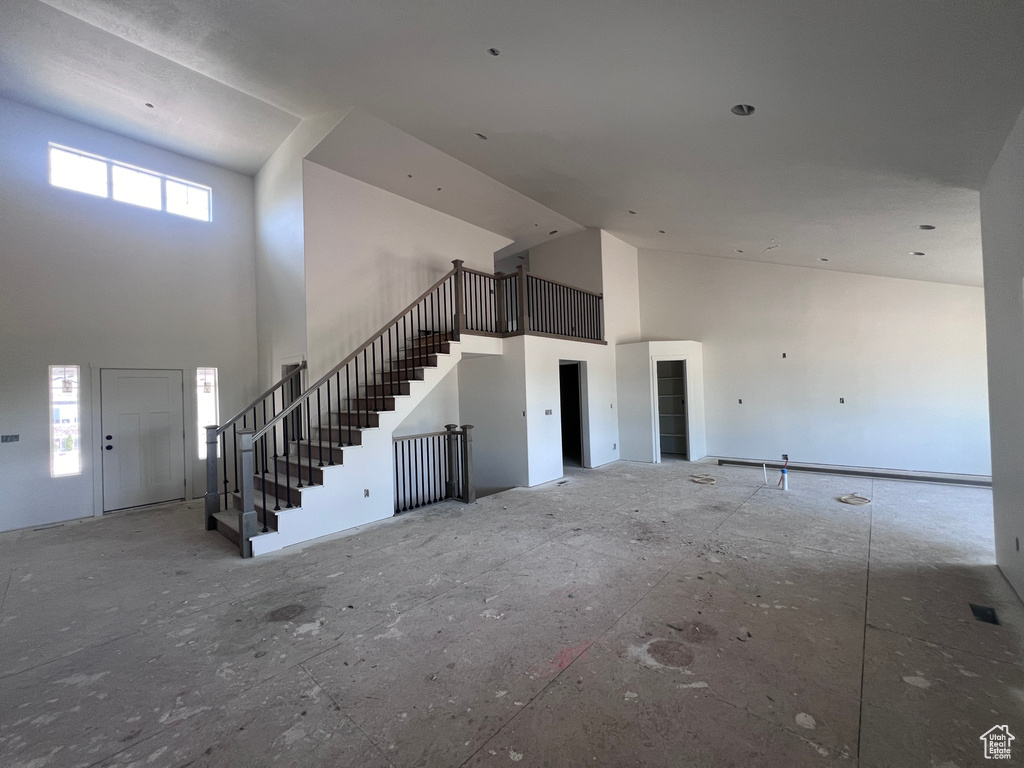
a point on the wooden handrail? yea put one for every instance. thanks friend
(223, 428)
(481, 273)
(414, 437)
(372, 340)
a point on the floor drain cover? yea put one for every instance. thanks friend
(984, 613)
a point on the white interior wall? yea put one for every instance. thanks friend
(907, 356)
(600, 416)
(620, 278)
(492, 397)
(1002, 227)
(439, 407)
(93, 282)
(574, 260)
(368, 254)
(636, 366)
(280, 256)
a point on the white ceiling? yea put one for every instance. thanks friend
(871, 117)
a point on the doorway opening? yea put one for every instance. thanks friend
(672, 424)
(571, 407)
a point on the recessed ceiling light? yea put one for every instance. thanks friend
(493, 51)
(149, 105)
(409, 175)
(438, 189)
(633, 212)
(481, 136)
(917, 253)
(738, 251)
(743, 110)
(661, 231)
(553, 232)
(822, 258)
(926, 226)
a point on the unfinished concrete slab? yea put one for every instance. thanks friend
(621, 616)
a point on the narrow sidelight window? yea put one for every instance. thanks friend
(207, 405)
(65, 435)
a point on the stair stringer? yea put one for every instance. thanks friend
(362, 490)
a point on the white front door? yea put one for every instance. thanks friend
(143, 438)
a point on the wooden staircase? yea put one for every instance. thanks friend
(308, 462)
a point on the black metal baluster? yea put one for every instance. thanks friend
(264, 444)
(320, 429)
(428, 307)
(419, 472)
(438, 474)
(370, 372)
(309, 444)
(407, 474)
(263, 480)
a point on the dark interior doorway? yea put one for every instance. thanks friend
(571, 408)
(672, 408)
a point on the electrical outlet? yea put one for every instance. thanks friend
(547, 412)
(783, 355)
(842, 400)
(366, 493)
(741, 401)
(785, 457)
(615, 447)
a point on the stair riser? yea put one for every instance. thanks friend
(302, 469)
(373, 404)
(228, 532)
(386, 390)
(276, 490)
(421, 359)
(433, 338)
(420, 347)
(338, 436)
(326, 454)
(271, 515)
(354, 420)
(409, 374)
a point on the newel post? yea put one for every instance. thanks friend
(247, 527)
(524, 300)
(460, 299)
(500, 310)
(212, 496)
(451, 485)
(469, 488)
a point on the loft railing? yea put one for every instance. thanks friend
(279, 443)
(433, 467)
(493, 306)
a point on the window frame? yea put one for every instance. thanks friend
(53, 424)
(201, 452)
(111, 164)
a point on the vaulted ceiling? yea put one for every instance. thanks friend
(871, 117)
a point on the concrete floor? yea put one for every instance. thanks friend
(627, 617)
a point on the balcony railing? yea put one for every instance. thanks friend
(494, 305)
(433, 467)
